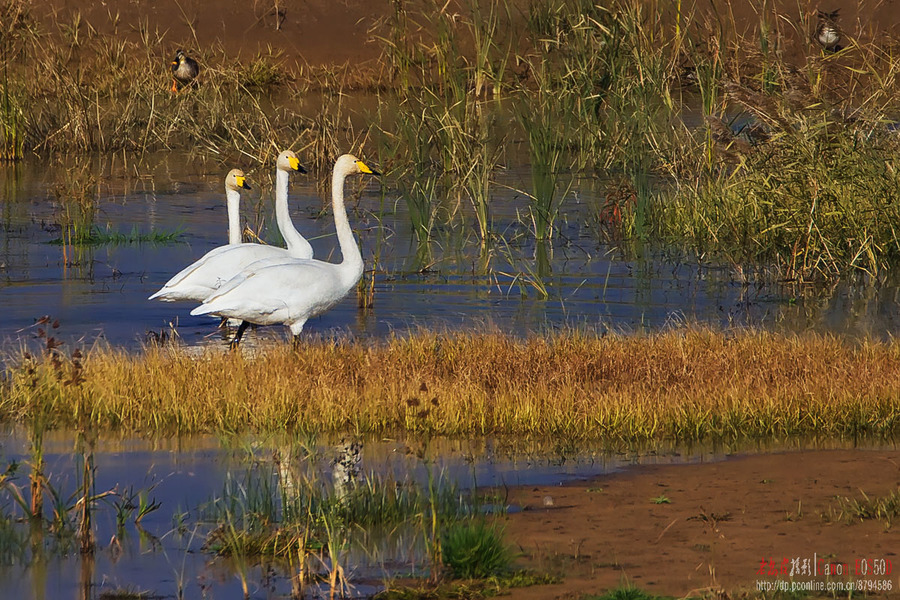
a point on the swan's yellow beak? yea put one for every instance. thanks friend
(242, 182)
(363, 167)
(295, 164)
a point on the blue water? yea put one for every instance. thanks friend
(164, 557)
(165, 553)
(101, 292)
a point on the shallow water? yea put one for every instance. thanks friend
(185, 475)
(101, 292)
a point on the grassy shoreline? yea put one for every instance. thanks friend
(695, 384)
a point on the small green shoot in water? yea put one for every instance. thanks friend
(98, 237)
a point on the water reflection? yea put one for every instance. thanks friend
(164, 556)
(515, 284)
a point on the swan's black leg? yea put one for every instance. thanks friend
(239, 334)
(296, 342)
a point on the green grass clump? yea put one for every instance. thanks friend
(626, 593)
(263, 72)
(884, 508)
(257, 541)
(817, 200)
(474, 550)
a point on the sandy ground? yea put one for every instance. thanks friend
(726, 526)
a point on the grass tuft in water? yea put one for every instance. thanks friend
(275, 510)
(94, 236)
(833, 216)
(127, 593)
(547, 121)
(475, 550)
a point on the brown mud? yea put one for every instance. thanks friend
(695, 529)
(330, 33)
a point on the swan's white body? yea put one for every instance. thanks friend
(203, 277)
(292, 292)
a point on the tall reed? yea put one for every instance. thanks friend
(833, 216)
(12, 138)
(17, 34)
(546, 116)
(492, 45)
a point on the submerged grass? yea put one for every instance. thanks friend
(95, 236)
(687, 385)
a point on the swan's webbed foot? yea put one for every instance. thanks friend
(238, 335)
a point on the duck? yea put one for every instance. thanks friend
(292, 292)
(828, 32)
(204, 276)
(184, 71)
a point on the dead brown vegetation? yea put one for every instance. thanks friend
(695, 384)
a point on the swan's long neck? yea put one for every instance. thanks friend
(352, 263)
(233, 199)
(296, 243)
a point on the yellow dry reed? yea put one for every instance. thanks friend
(684, 385)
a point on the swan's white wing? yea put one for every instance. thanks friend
(281, 293)
(187, 271)
(200, 279)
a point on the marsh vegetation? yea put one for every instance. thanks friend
(684, 386)
(642, 131)
(748, 145)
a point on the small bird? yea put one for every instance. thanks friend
(184, 71)
(828, 32)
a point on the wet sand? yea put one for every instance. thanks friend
(723, 523)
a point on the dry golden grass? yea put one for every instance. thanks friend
(681, 385)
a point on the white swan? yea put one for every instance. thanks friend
(203, 277)
(292, 292)
(297, 245)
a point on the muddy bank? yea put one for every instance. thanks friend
(726, 526)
